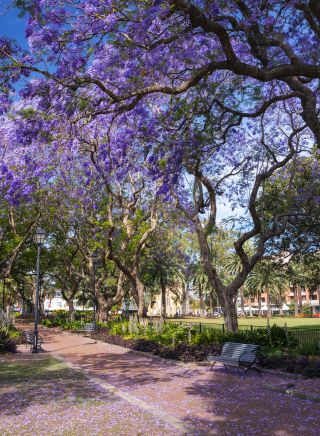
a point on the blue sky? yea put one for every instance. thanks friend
(11, 25)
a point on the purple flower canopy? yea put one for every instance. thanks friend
(151, 89)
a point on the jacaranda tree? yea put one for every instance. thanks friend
(158, 96)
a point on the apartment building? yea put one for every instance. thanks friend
(295, 294)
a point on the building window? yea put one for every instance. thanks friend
(314, 297)
(252, 300)
(58, 294)
(263, 300)
(59, 304)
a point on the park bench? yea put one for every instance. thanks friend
(88, 328)
(235, 354)
(29, 338)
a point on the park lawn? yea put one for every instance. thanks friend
(257, 322)
(42, 395)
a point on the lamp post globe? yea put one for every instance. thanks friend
(40, 236)
(39, 239)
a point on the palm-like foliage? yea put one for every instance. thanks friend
(298, 276)
(267, 277)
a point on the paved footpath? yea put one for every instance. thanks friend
(189, 397)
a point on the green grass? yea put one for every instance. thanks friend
(307, 323)
(33, 370)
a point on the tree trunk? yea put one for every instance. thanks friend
(201, 300)
(163, 298)
(299, 297)
(242, 301)
(118, 297)
(259, 304)
(280, 302)
(142, 310)
(230, 315)
(296, 304)
(71, 309)
(226, 299)
(211, 303)
(184, 299)
(269, 305)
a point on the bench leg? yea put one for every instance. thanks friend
(212, 365)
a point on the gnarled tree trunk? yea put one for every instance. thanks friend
(117, 297)
(230, 314)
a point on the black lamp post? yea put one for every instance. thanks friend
(39, 239)
(93, 257)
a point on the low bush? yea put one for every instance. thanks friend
(62, 323)
(8, 339)
(308, 366)
(47, 322)
(311, 349)
(73, 325)
(182, 351)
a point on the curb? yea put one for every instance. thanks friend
(294, 393)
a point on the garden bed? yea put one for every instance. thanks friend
(279, 350)
(182, 351)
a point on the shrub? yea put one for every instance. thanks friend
(8, 340)
(306, 309)
(47, 322)
(312, 369)
(308, 349)
(119, 328)
(257, 336)
(72, 325)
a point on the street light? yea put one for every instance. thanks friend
(93, 257)
(39, 239)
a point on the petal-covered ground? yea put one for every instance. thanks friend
(40, 396)
(204, 402)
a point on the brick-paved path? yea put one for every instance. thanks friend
(206, 402)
